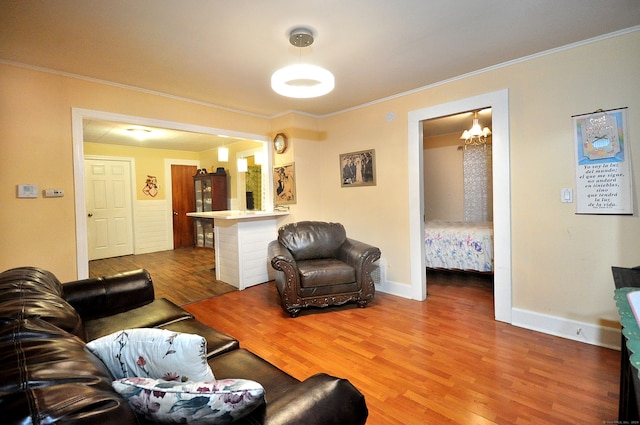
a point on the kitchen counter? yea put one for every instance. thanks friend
(238, 214)
(241, 239)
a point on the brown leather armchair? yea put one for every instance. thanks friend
(318, 266)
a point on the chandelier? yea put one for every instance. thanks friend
(302, 80)
(476, 135)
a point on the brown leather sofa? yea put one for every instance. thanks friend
(47, 375)
(318, 266)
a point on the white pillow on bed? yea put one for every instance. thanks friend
(154, 353)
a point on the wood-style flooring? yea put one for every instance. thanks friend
(182, 275)
(444, 360)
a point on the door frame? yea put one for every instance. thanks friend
(499, 102)
(241, 184)
(77, 116)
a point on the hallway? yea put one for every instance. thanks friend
(182, 275)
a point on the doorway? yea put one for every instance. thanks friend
(78, 115)
(499, 102)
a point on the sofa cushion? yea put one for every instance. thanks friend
(325, 271)
(48, 376)
(243, 364)
(154, 353)
(157, 313)
(312, 239)
(217, 402)
(31, 279)
(32, 292)
(98, 297)
(217, 342)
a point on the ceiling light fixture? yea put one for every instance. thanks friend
(476, 135)
(243, 165)
(223, 154)
(302, 80)
(139, 133)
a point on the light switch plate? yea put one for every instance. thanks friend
(53, 193)
(27, 191)
(566, 195)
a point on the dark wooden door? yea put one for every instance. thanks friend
(183, 202)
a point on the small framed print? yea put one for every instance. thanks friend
(358, 168)
(284, 184)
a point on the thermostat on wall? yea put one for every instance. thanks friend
(27, 191)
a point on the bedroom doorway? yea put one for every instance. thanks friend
(458, 189)
(498, 101)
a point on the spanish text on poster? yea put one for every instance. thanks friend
(603, 171)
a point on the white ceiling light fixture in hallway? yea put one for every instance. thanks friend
(302, 80)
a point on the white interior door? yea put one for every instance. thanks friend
(109, 212)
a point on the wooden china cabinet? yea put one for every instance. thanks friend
(211, 195)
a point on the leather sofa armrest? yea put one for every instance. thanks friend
(99, 297)
(319, 400)
(278, 253)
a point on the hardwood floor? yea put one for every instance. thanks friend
(444, 360)
(182, 275)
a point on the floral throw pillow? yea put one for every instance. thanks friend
(217, 402)
(154, 353)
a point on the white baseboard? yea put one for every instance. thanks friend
(565, 328)
(394, 288)
(587, 333)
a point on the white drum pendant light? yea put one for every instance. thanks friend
(302, 80)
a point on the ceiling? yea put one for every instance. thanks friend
(144, 136)
(222, 52)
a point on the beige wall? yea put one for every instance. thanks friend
(561, 261)
(443, 178)
(148, 162)
(36, 148)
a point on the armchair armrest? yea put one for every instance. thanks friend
(319, 400)
(358, 255)
(99, 297)
(278, 253)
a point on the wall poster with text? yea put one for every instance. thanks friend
(603, 163)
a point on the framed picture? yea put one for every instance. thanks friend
(358, 168)
(603, 164)
(284, 184)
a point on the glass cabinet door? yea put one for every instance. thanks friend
(206, 195)
(198, 190)
(210, 195)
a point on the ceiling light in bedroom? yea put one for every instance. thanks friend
(476, 135)
(302, 80)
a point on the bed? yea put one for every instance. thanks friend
(459, 245)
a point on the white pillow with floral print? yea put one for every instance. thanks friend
(217, 402)
(154, 353)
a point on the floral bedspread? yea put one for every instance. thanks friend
(459, 245)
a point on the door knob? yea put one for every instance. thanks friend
(175, 213)
(90, 215)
